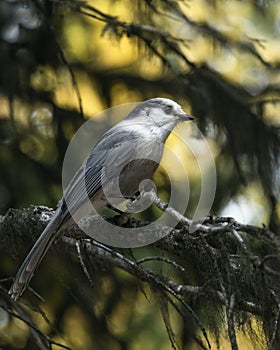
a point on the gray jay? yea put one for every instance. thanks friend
(125, 155)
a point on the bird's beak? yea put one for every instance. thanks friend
(184, 117)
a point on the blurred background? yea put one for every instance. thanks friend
(63, 62)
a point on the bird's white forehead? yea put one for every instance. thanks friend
(164, 101)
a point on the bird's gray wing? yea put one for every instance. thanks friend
(102, 164)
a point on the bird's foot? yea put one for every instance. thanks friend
(144, 200)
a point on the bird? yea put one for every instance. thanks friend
(125, 155)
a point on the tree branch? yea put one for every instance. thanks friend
(19, 227)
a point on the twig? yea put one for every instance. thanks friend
(160, 258)
(72, 74)
(83, 265)
(276, 323)
(230, 322)
(36, 329)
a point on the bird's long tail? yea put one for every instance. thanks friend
(35, 256)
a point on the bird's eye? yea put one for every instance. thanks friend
(168, 109)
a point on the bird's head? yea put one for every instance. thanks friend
(164, 110)
(157, 116)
